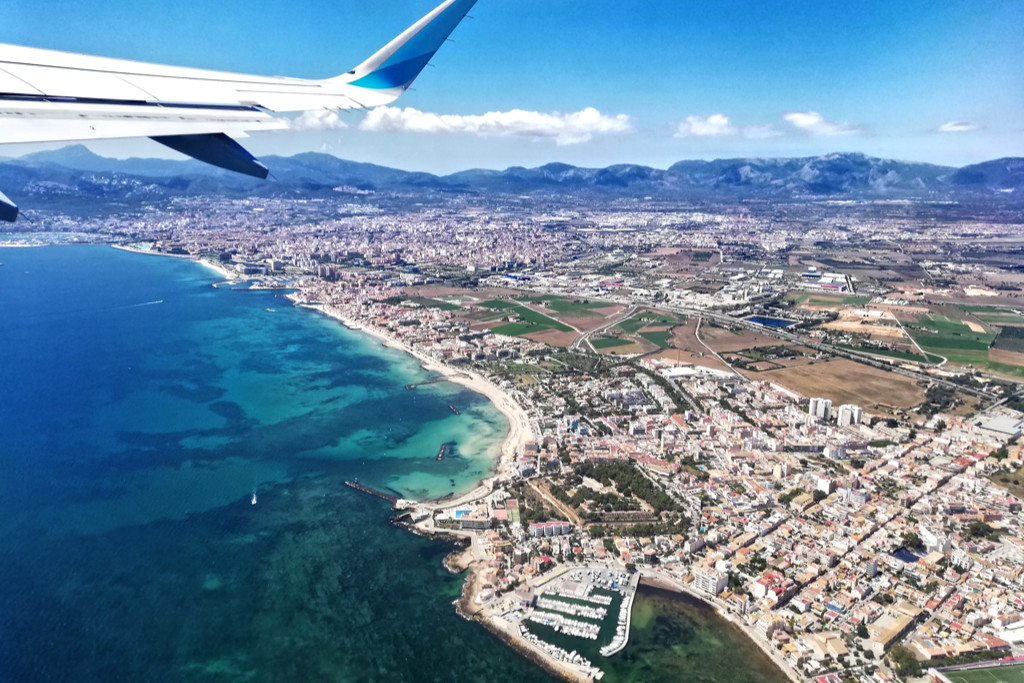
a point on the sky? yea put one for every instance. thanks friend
(598, 82)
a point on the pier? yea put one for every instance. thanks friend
(373, 492)
(434, 380)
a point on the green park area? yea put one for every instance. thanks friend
(1002, 674)
(526, 320)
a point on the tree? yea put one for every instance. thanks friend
(891, 423)
(912, 540)
(819, 496)
(862, 631)
(904, 661)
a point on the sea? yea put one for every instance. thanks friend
(172, 498)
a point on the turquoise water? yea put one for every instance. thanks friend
(132, 437)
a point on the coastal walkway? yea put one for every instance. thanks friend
(373, 492)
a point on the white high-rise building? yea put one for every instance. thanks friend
(850, 414)
(710, 581)
(820, 408)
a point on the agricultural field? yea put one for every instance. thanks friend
(951, 338)
(686, 348)
(569, 307)
(427, 302)
(846, 381)
(529, 321)
(646, 319)
(631, 347)
(659, 338)
(723, 340)
(890, 353)
(609, 342)
(1010, 339)
(994, 316)
(816, 299)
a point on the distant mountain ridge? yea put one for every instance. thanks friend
(75, 169)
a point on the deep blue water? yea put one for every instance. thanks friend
(770, 322)
(141, 408)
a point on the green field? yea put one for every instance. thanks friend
(1004, 674)
(950, 338)
(1011, 339)
(1006, 369)
(516, 329)
(562, 305)
(499, 304)
(815, 299)
(529, 320)
(609, 342)
(902, 355)
(642, 320)
(659, 338)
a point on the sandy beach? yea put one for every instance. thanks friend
(212, 265)
(519, 432)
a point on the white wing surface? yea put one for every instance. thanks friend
(48, 96)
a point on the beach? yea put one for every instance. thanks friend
(519, 433)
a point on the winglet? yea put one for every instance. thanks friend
(8, 210)
(216, 149)
(398, 63)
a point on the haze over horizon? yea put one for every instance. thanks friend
(599, 83)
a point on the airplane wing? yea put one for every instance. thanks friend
(48, 96)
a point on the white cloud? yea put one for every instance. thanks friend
(715, 124)
(564, 129)
(318, 119)
(761, 132)
(814, 123)
(958, 127)
(719, 124)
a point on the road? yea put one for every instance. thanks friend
(585, 337)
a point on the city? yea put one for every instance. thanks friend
(806, 413)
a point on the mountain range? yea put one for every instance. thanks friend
(75, 171)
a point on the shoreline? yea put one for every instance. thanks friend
(215, 267)
(461, 558)
(519, 432)
(663, 582)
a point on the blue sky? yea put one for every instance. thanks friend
(596, 82)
